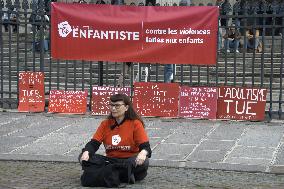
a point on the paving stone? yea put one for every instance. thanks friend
(161, 124)
(155, 141)
(189, 135)
(280, 156)
(21, 124)
(207, 156)
(223, 145)
(225, 166)
(57, 143)
(262, 137)
(227, 132)
(197, 123)
(171, 151)
(10, 143)
(83, 126)
(277, 169)
(252, 152)
(6, 118)
(158, 132)
(248, 161)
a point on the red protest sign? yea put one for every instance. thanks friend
(241, 103)
(156, 99)
(134, 33)
(198, 102)
(71, 102)
(101, 95)
(31, 92)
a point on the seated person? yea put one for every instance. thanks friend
(253, 41)
(10, 19)
(232, 39)
(125, 141)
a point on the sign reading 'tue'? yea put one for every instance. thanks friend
(241, 103)
(31, 92)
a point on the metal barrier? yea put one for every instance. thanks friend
(27, 48)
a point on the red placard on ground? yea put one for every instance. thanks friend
(101, 95)
(156, 99)
(241, 103)
(198, 102)
(71, 102)
(31, 92)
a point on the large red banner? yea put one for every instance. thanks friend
(198, 102)
(156, 99)
(31, 92)
(241, 103)
(167, 35)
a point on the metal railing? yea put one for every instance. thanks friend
(27, 48)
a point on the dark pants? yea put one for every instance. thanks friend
(110, 172)
(6, 25)
(140, 171)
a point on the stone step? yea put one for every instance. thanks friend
(186, 70)
(79, 72)
(267, 57)
(70, 85)
(12, 60)
(113, 79)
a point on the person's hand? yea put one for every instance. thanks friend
(85, 156)
(141, 157)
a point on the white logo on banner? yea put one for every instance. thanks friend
(64, 29)
(116, 140)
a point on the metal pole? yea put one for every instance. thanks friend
(100, 72)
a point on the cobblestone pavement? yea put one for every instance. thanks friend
(41, 175)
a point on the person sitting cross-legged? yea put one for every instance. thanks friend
(126, 145)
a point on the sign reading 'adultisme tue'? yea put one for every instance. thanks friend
(149, 34)
(241, 103)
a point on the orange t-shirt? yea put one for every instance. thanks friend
(124, 140)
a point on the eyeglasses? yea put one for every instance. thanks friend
(117, 106)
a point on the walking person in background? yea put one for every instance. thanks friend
(219, 4)
(168, 73)
(126, 143)
(124, 75)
